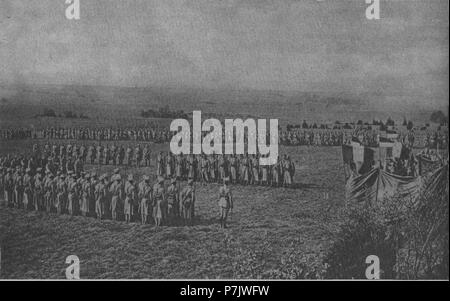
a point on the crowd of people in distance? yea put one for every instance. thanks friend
(16, 134)
(241, 169)
(311, 137)
(366, 137)
(289, 136)
(78, 192)
(148, 134)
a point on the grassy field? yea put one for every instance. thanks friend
(266, 226)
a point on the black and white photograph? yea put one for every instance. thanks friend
(224, 140)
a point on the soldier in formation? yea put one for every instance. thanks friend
(99, 196)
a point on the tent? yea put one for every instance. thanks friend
(378, 184)
(366, 182)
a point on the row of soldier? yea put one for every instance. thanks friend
(157, 134)
(241, 169)
(107, 154)
(149, 134)
(88, 194)
(312, 138)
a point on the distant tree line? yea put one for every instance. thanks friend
(66, 114)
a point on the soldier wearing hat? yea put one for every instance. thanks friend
(144, 194)
(61, 188)
(225, 202)
(93, 183)
(160, 164)
(85, 195)
(18, 188)
(146, 156)
(116, 195)
(275, 173)
(130, 196)
(38, 192)
(173, 200)
(158, 201)
(204, 166)
(72, 194)
(50, 191)
(254, 162)
(28, 189)
(187, 201)
(233, 168)
(9, 187)
(100, 197)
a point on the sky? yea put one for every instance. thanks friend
(295, 45)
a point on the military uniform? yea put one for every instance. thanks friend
(158, 202)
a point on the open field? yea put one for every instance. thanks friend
(272, 221)
(267, 224)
